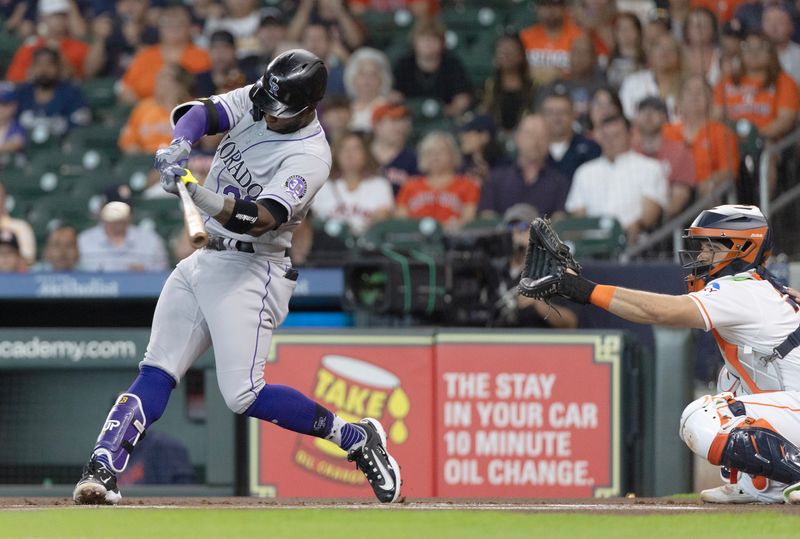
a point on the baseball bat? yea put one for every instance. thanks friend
(198, 235)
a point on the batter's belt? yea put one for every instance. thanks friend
(220, 243)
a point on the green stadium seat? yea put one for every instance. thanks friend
(404, 235)
(99, 93)
(483, 224)
(592, 237)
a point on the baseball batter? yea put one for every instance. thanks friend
(751, 428)
(231, 295)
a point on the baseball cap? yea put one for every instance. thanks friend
(521, 212)
(222, 36)
(8, 238)
(479, 122)
(7, 93)
(118, 193)
(393, 112)
(50, 7)
(654, 103)
(115, 211)
(272, 15)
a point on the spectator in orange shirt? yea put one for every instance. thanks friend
(760, 92)
(548, 43)
(714, 146)
(54, 28)
(175, 47)
(148, 127)
(441, 193)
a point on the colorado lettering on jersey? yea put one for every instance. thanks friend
(231, 157)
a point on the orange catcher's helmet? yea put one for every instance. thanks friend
(743, 232)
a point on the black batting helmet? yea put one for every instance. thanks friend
(293, 81)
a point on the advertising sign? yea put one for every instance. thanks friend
(527, 415)
(389, 378)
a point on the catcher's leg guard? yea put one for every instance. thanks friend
(717, 428)
(123, 429)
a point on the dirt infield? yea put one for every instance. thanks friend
(625, 506)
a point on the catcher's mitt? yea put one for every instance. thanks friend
(546, 262)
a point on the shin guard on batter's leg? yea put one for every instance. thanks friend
(123, 429)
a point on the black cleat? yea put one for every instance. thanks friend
(98, 485)
(374, 460)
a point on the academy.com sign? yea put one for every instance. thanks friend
(73, 350)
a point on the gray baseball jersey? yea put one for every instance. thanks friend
(230, 299)
(255, 163)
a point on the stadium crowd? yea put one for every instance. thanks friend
(620, 108)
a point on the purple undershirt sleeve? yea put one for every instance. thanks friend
(194, 124)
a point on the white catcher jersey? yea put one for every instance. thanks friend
(749, 318)
(255, 163)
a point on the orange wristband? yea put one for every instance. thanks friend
(602, 296)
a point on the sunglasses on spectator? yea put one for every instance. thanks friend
(518, 225)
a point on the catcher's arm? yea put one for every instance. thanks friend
(550, 269)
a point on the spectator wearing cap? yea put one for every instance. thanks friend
(148, 127)
(508, 93)
(730, 47)
(12, 135)
(60, 250)
(517, 310)
(397, 161)
(430, 71)
(270, 33)
(368, 82)
(11, 260)
(584, 77)
(57, 20)
(241, 18)
(662, 79)
(174, 47)
(116, 37)
(714, 147)
(529, 179)
(226, 73)
(441, 193)
(50, 105)
(567, 150)
(778, 26)
(675, 158)
(23, 233)
(115, 244)
(620, 183)
(317, 38)
(479, 146)
(357, 195)
(547, 43)
(750, 13)
(334, 14)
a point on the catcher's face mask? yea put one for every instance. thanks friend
(705, 257)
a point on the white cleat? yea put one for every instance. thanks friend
(791, 494)
(727, 494)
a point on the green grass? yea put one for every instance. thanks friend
(108, 523)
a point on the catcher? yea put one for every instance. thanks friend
(751, 428)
